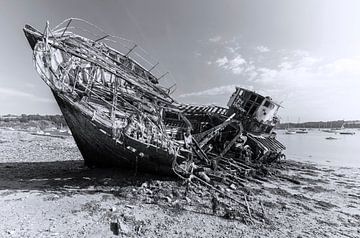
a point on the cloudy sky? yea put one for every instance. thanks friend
(304, 54)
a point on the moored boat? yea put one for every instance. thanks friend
(302, 131)
(347, 133)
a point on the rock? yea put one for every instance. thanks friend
(148, 191)
(118, 227)
(138, 229)
(175, 193)
(148, 200)
(176, 203)
(128, 218)
(114, 227)
(157, 183)
(168, 199)
(10, 232)
(123, 228)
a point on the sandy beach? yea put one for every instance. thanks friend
(45, 191)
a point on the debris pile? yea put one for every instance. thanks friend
(224, 175)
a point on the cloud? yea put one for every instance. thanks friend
(215, 39)
(285, 65)
(289, 68)
(6, 93)
(300, 53)
(346, 66)
(233, 49)
(222, 61)
(310, 85)
(236, 65)
(222, 90)
(262, 49)
(308, 61)
(236, 62)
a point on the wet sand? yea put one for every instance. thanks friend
(45, 191)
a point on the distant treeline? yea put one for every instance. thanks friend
(321, 124)
(58, 120)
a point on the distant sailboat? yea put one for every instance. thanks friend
(329, 130)
(301, 130)
(344, 131)
(288, 130)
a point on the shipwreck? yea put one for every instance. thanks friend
(120, 115)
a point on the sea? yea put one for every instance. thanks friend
(343, 151)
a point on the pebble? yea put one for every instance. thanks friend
(124, 228)
(168, 199)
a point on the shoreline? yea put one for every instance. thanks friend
(45, 191)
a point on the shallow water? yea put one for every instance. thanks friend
(314, 147)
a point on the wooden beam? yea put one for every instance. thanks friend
(67, 25)
(232, 142)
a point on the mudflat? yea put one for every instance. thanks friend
(45, 191)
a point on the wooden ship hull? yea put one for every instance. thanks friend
(120, 116)
(99, 149)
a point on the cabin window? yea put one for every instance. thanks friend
(247, 106)
(253, 109)
(259, 100)
(266, 104)
(253, 97)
